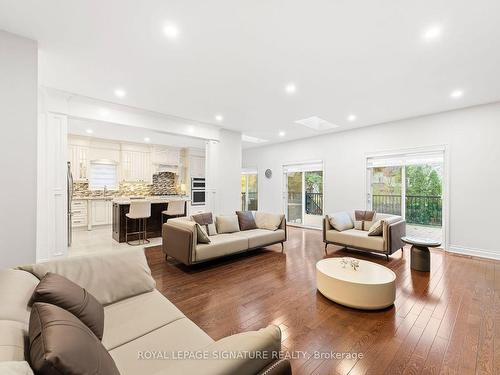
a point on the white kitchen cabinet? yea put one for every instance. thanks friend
(78, 156)
(197, 166)
(79, 213)
(165, 156)
(101, 212)
(136, 166)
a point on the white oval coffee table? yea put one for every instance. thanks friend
(370, 287)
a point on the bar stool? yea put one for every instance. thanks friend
(174, 209)
(139, 210)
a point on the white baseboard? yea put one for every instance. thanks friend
(481, 253)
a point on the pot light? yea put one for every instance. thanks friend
(120, 93)
(351, 118)
(104, 112)
(147, 139)
(281, 133)
(455, 94)
(89, 131)
(290, 88)
(219, 118)
(171, 31)
(432, 33)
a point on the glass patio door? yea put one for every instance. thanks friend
(411, 186)
(303, 194)
(249, 186)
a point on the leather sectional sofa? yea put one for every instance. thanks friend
(387, 242)
(180, 240)
(138, 321)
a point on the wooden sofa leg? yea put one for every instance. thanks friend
(402, 249)
(282, 247)
(166, 257)
(326, 245)
(387, 257)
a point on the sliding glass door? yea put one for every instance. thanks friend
(409, 185)
(303, 194)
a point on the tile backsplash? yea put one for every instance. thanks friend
(164, 183)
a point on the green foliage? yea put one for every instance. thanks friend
(423, 180)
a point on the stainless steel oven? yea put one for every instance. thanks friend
(198, 191)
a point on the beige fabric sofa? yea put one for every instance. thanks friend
(180, 241)
(143, 330)
(387, 243)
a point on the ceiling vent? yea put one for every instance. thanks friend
(316, 123)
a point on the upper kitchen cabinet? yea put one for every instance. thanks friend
(197, 166)
(78, 156)
(104, 151)
(165, 156)
(136, 164)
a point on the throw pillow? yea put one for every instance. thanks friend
(376, 228)
(268, 221)
(212, 230)
(358, 224)
(203, 219)
(227, 224)
(341, 221)
(201, 234)
(60, 291)
(59, 343)
(246, 220)
(366, 218)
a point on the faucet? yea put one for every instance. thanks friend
(104, 191)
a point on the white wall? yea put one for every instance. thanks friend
(18, 121)
(223, 168)
(472, 137)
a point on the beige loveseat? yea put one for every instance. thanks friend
(143, 331)
(388, 242)
(180, 241)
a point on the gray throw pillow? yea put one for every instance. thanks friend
(201, 234)
(341, 221)
(246, 220)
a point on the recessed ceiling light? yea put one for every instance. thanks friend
(432, 33)
(219, 118)
(250, 139)
(171, 31)
(190, 129)
(104, 112)
(290, 88)
(316, 123)
(351, 118)
(455, 94)
(89, 131)
(120, 93)
(147, 139)
(281, 133)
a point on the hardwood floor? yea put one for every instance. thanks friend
(446, 321)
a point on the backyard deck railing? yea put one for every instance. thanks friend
(423, 210)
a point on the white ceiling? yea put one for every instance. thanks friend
(235, 57)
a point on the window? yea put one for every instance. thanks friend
(249, 198)
(103, 174)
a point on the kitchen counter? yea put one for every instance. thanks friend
(121, 206)
(152, 199)
(93, 198)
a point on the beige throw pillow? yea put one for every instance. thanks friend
(358, 224)
(227, 224)
(268, 221)
(376, 228)
(341, 221)
(201, 234)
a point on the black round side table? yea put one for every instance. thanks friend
(420, 254)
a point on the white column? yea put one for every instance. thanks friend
(223, 173)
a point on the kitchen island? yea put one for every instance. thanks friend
(121, 207)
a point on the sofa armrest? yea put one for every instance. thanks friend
(280, 367)
(283, 226)
(247, 353)
(179, 240)
(326, 226)
(392, 235)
